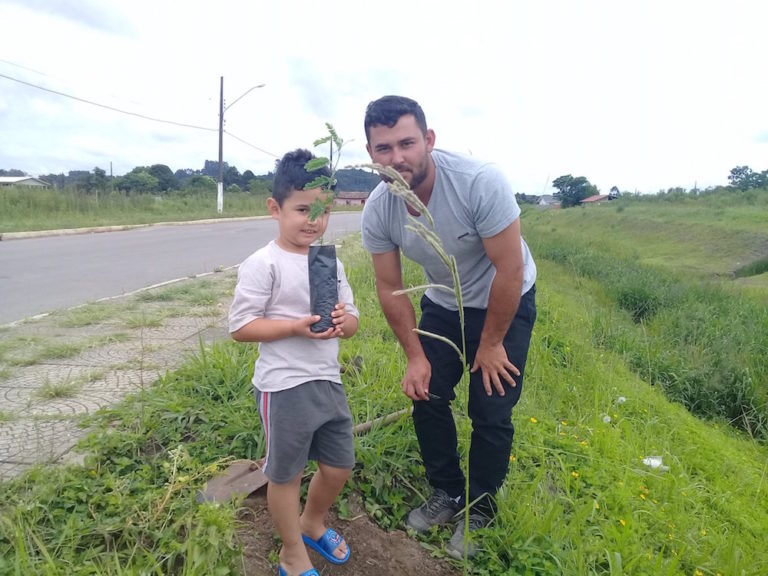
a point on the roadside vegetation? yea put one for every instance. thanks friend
(641, 433)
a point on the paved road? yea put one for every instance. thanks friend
(39, 275)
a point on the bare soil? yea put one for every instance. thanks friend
(372, 550)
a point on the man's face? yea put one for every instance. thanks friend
(403, 147)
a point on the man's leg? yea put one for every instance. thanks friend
(492, 429)
(433, 419)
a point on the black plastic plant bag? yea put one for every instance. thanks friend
(323, 285)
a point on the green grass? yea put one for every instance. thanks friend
(578, 498)
(22, 209)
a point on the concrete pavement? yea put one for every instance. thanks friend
(60, 367)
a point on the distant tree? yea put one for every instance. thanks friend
(165, 177)
(97, 181)
(12, 172)
(138, 181)
(211, 168)
(741, 177)
(200, 185)
(571, 191)
(355, 180)
(231, 176)
(526, 198)
(184, 174)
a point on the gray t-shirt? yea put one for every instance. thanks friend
(471, 200)
(274, 283)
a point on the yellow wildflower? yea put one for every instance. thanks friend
(533, 420)
(623, 522)
(575, 474)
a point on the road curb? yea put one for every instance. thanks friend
(97, 229)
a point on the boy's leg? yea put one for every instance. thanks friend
(324, 488)
(283, 503)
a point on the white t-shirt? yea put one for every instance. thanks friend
(274, 283)
(470, 200)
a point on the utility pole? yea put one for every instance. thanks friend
(220, 183)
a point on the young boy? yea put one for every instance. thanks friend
(297, 380)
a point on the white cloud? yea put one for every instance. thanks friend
(643, 95)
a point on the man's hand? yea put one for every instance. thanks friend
(496, 368)
(416, 380)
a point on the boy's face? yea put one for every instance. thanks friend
(296, 230)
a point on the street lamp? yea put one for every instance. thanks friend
(222, 109)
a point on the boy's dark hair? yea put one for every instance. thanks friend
(387, 110)
(290, 174)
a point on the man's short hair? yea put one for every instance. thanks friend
(387, 110)
(291, 174)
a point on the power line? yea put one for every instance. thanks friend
(110, 107)
(249, 144)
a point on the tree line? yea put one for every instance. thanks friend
(160, 179)
(572, 190)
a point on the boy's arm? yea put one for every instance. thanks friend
(269, 329)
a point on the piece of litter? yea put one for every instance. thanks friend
(655, 462)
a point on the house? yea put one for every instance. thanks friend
(548, 201)
(596, 199)
(23, 181)
(346, 198)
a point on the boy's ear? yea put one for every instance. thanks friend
(273, 207)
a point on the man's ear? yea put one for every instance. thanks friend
(273, 207)
(368, 148)
(430, 139)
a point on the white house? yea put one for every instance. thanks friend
(23, 181)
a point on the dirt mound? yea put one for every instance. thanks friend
(373, 551)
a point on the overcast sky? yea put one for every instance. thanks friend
(641, 95)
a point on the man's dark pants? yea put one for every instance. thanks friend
(491, 416)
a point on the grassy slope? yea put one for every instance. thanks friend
(578, 499)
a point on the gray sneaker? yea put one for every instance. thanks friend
(439, 509)
(455, 546)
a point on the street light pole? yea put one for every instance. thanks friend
(220, 183)
(222, 109)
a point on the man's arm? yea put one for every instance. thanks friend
(504, 250)
(402, 319)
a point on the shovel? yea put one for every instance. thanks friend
(241, 479)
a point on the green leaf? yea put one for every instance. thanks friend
(316, 164)
(322, 140)
(319, 182)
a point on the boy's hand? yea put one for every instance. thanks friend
(301, 327)
(339, 316)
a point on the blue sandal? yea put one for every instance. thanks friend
(326, 545)
(310, 572)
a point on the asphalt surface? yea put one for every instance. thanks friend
(45, 271)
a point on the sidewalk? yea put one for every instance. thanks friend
(58, 368)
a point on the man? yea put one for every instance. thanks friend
(476, 217)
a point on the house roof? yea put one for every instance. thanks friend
(22, 180)
(595, 198)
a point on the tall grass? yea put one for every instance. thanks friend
(704, 345)
(23, 209)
